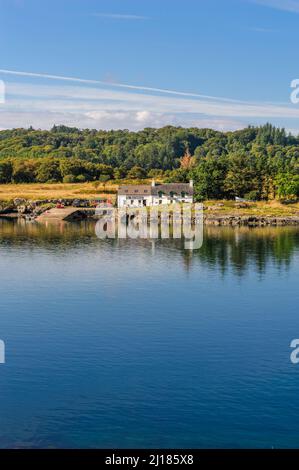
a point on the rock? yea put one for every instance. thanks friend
(8, 209)
(18, 202)
(241, 205)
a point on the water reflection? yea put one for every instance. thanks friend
(112, 343)
(224, 247)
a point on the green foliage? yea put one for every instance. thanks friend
(6, 171)
(136, 173)
(259, 161)
(24, 171)
(48, 170)
(241, 174)
(252, 196)
(119, 173)
(209, 177)
(81, 179)
(69, 179)
(287, 185)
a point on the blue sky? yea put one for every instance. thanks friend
(241, 54)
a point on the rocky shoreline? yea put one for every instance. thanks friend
(20, 208)
(250, 220)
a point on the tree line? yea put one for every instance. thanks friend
(255, 163)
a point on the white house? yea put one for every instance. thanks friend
(145, 195)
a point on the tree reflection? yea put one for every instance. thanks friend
(224, 248)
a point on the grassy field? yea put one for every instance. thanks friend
(270, 209)
(41, 191)
(34, 192)
(97, 190)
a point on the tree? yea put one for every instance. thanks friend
(24, 171)
(187, 161)
(226, 164)
(241, 176)
(119, 173)
(48, 171)
(136, 173)
(287, 185)
(6, 171)
(209, 178)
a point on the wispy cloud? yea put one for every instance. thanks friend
(96, 104)
(120, 16)
(286, 5)
(104, 83)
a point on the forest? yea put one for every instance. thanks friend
(257, 163)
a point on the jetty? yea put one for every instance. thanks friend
(65, 213)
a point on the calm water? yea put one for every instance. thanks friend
(125, 344)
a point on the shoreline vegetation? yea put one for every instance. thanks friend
(19, 199)
(255, 163)
(80, 167)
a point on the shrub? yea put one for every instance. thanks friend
(252, 196)
(81, 179)
(69, 179)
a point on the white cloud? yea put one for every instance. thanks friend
(109, 120)
(83, 99)
(120, 16)
(95, 104)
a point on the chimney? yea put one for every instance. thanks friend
(191, 183)
(153, 183)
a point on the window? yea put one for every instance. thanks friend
(136, 191)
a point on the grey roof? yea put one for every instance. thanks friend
(135, 189)
(176, 188)
(147, 189)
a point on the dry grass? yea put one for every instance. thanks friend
(9, 192)
(271, 208)
(41, 191)
(97, 190)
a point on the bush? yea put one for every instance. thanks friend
(104, 178)
(69, 179)
(119, 173)
(6, 171)
(136, 173)
(252, 196)
(155, 173)
(24, 171)
(287, 185)
(81, 179)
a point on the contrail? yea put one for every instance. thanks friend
(117, 85)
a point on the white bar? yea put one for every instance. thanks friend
(2, 92)
(2, 352)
